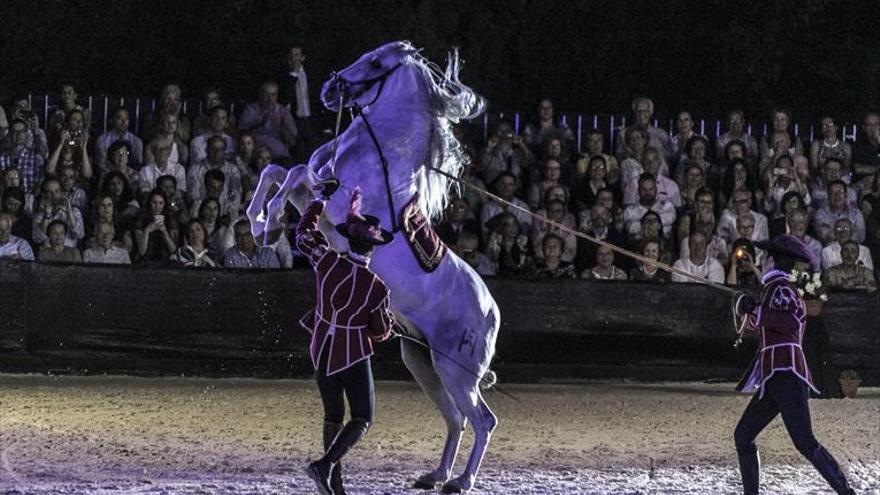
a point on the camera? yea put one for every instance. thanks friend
(75, 137)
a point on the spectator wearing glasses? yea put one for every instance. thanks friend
(270, 123)
(119, 159)
(593, 180)
(20, 155)
(740, 206)
(837, 208)
(843, 232)
(595, 146)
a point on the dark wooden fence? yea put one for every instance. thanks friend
(113, 319)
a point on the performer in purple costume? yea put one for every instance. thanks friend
(779, 372)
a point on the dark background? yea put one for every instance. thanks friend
(816, 57)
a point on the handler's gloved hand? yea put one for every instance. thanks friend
(746, 304)
(327, 187)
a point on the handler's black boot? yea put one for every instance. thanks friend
(330, 431)
(830, 470)
(320, 470)
(750, 470)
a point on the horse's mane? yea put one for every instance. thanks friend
(452, 101)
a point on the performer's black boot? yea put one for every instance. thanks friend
(330, 432)
(750, 470)
(320, 470)
(830, 470)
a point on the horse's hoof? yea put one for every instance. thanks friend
(452, 488)
(421, 484)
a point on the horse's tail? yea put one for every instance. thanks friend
(489, 379)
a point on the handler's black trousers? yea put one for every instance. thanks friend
(785, 394)
(354, 383)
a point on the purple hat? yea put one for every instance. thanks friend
(791, 246)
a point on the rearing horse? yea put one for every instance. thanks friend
(408, 104)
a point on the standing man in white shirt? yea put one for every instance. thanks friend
(295, 95)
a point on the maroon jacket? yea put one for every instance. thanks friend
(780, 320)
(352, 305)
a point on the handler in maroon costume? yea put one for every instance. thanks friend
(780, 372)
(352, 310)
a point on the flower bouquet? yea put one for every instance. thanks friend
(809, 286)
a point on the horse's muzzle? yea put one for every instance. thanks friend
(330, 92)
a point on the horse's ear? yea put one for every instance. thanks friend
(407, 48)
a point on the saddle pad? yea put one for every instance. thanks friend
(420, 236)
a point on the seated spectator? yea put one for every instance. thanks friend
(551, 177)
(830, 146)
(870, 200)
(744, 271)
(119, 132)
(792, 200)
(70, 189)
(740, 204)
(739, 175)
(781, 125)
(843, 232)
(156, 232)
(696, 152)
(554, 212)
(176, 205)
(194, 253)
(218, 233)
(631, 167)
(36, 138)
(698, 262)
(214, 185)
(590, 183)
(472, 196)
(784, 180)
(245, 159)
(538, 134)
(506, 247)
(704, 205)
(104, 211)
(106, 250)
(67, 105)
(55, 250)
(849, 274)
(551, 265)
(117, 186)
(735, 150)
(644, 272)
(693, 180)
(505, 185)
(796, 220)
(716, 247)
(643, 111)
(198, 147)
(156, 125)
(17, 153)
(246, 253)
(72, 152)
(466, 249)
(53, 205)
(648, 200)
(119, 159)
(667, 189)
(269, 122)
(170, 142)
(554, 149)
(831, 170)
(12, 247)
(604, 269)
(159, 163)
(837, 208)
(505, 151)
(866, 149)
(212, 99)
(13, 203)
(595, 146)
(781, 142)
(216, 160)
(684, 131)
(736, 131)
(10, 177)
(458, 218)
(745, 229)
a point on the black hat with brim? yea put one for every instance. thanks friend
(791, 246)
(342, 229)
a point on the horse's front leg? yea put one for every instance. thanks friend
(297, 183)
(270, 176)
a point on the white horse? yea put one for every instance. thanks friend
(409, 103)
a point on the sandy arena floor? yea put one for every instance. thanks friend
(114, 435)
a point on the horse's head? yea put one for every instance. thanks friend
(360, 82)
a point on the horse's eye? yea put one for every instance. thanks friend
(375, 63)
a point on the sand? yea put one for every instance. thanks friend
(232, 436)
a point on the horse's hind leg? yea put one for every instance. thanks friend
(463, 387)
(418, 361)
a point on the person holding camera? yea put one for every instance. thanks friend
(353, 311)
(71, 151)
(156, 231)
(54, 205)
(779, 373)
(744, 270)
(20, 154)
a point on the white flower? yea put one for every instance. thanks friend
(810, 287)
(823, 297)
(801, 292)
(817, 277)
(792, 277)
